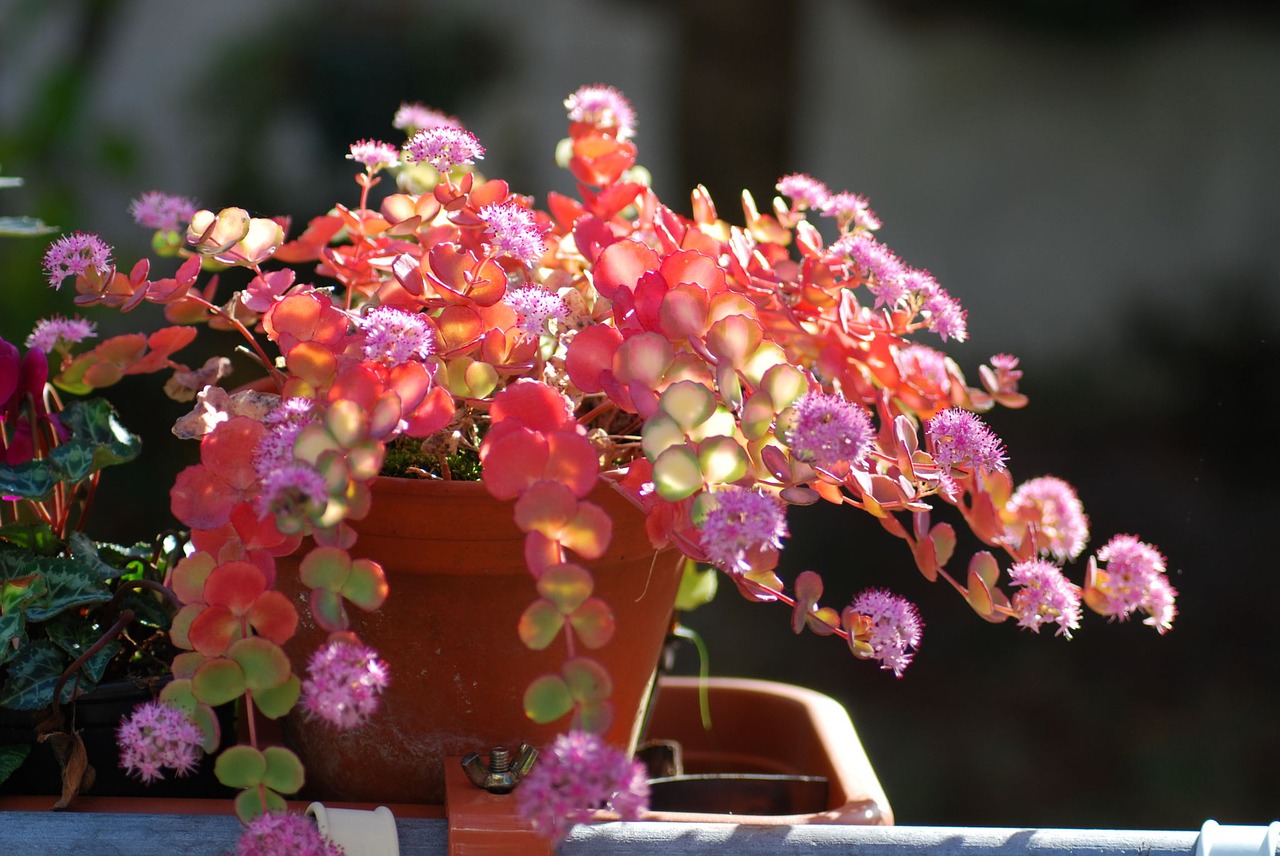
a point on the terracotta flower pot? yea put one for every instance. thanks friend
(458, 584)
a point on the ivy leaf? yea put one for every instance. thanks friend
(94, 422)
(74, 635)
(11, 758)
(71, 584)
(30, 479)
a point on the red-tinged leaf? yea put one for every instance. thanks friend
(799, 495)
(926, 558)
(546, 506)
(213, 631)
(944, 542)
(566, 212)
(218, 681)
(328, 611)
(677, 474)
(600, 159)
(688, 266)
(683, 312)
(621, 264)
(587, 680)
(984, 566)
(201, 499)
(547, 699)
(213, 233)
(532, 404)
(722, 460)
(234, 585)
(274, 617)
(513, 462)
(593, 623)
(325, 568)
(591, 353)
(540, 624)
(189, 576)
(647, 300)
(366, 585)
(278, 701)
(411, 382)
(643, 358)
(589, 533)
(435, 412)
(307, 247)
(978, 594)
(566, 586)
(540, 553)
(184, 665)
(163, 343)
(459, 327)
(824, 621)
(228, 451)
(734, 338)
(776, 461)
(610, 201)
(572, 461)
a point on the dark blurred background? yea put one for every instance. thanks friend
(1097, 181)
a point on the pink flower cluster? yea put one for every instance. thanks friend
(578, 774)
(513, 231)
(444, 147)
(76, 254)
(1045, 596)
(343, 684)
(1134, 579)
(959, 438)
(536, 307)
(289, 834)
(603, 107)
(58, 334)
(742, 522)
(156, 210)
(394, 336)
(895, 627)
(1051, 506)
(414, 117)
(829, 430)
(374, 154)
(155, 736)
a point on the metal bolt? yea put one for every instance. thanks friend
(502, 772)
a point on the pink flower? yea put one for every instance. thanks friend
(394, 336)
(576, 775)
(284, 423)
(292, 493)
(444, 147)
(850, 208)
(829, 430)
(604, 107)
(414, 117)
(925, 367)
(58, 333)
(1045, 596)
(75, 254)
(374, 154)
(894, 630)
(742, 522)
(959, 438)
(804, 190)
(284, 835)
(343, 684)
(536, 307)
(944, 314)
(514, 231)
(1134, 579)
(157, 735)
(879, 268)
(156, 210)
(1052, 507)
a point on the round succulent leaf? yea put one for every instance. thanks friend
(540, 624)
(566, 585)
(765, 357)
(698, 584)
(688, 403)
(264, 663)
(590, 354)
(593, 622)
(621, 264)
(587, 680)
(312, 442)
(722, 460)
(683, 311)
(211, 233)
(189, 576)
(785, 384)
(660, 432)
(943, 536)
(758, 413)
(275, 702)
(250, 804)
(799, 495)
(234, 585)
(643, 359)
(284, 773)
(178, 693)
(366, 585)
(545, 506)
(533, 404)
(513, 462)
(210, 729)
(364, 460)
(385, 415)
(734, 338)
(240, 766)
(346, 421)
(984, 566)
(573, 461)
(273, 616)
(589, 532)
(978, 595)
(180, 626)
(480, 379)
(728, 384)
(328, 611)
(595, 717)
(312, 363)
(325, 568)
(677, 473)
(184, 665)
(218, 681)
(213, 630)
(547, 699)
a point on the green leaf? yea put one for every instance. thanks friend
(284, 771)
(218, 681)
(264, 663)
(30, 479)
(249, 804)
(587, 680)
(71, 584)
(75, 458)
(277, 701)
(540, 624)
(547, 699)
(94, 422)
(240, 767)
(36, 537)
(11, 758)
(33, 673)
(677, 474)
(697, 586)
(74, 635)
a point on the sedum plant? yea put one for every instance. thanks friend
(715, 372)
